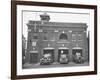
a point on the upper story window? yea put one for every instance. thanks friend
(63, 36)
(74, 37)
(33, 43)
(35, 37)
(45, 37)
(80, 37)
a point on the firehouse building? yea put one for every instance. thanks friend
(55, 38)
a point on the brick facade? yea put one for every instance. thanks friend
(56, 36)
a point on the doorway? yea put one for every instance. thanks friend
(76, 54)
(49, 51)
(63, 50)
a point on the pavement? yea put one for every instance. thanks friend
(55, 64)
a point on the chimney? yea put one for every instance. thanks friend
(44, 17)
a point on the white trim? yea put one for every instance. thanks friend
(35, 71)
(77, 48)
(63, 48)
(33, 51)
(48, 48)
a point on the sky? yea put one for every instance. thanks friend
(54, 17)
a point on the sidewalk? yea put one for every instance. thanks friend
(55, 64)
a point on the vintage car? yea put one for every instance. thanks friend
(78, 58)
(46, 59)
(63, 59)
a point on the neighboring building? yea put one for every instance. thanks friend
(55, 38)
(23, 49)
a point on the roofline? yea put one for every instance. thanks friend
(57, 24)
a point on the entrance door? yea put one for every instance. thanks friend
(62, 51)
(50, 52)
(33, 57)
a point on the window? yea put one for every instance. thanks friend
(51, 36)
(33, 43)
(63, 36)
(74, 37)
(35, 37)
(45, 37)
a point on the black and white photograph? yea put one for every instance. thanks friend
(54, 39)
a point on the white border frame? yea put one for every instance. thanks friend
(35, 71)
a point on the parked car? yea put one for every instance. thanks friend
(78, 58)
(63, 59)
(46, 59)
